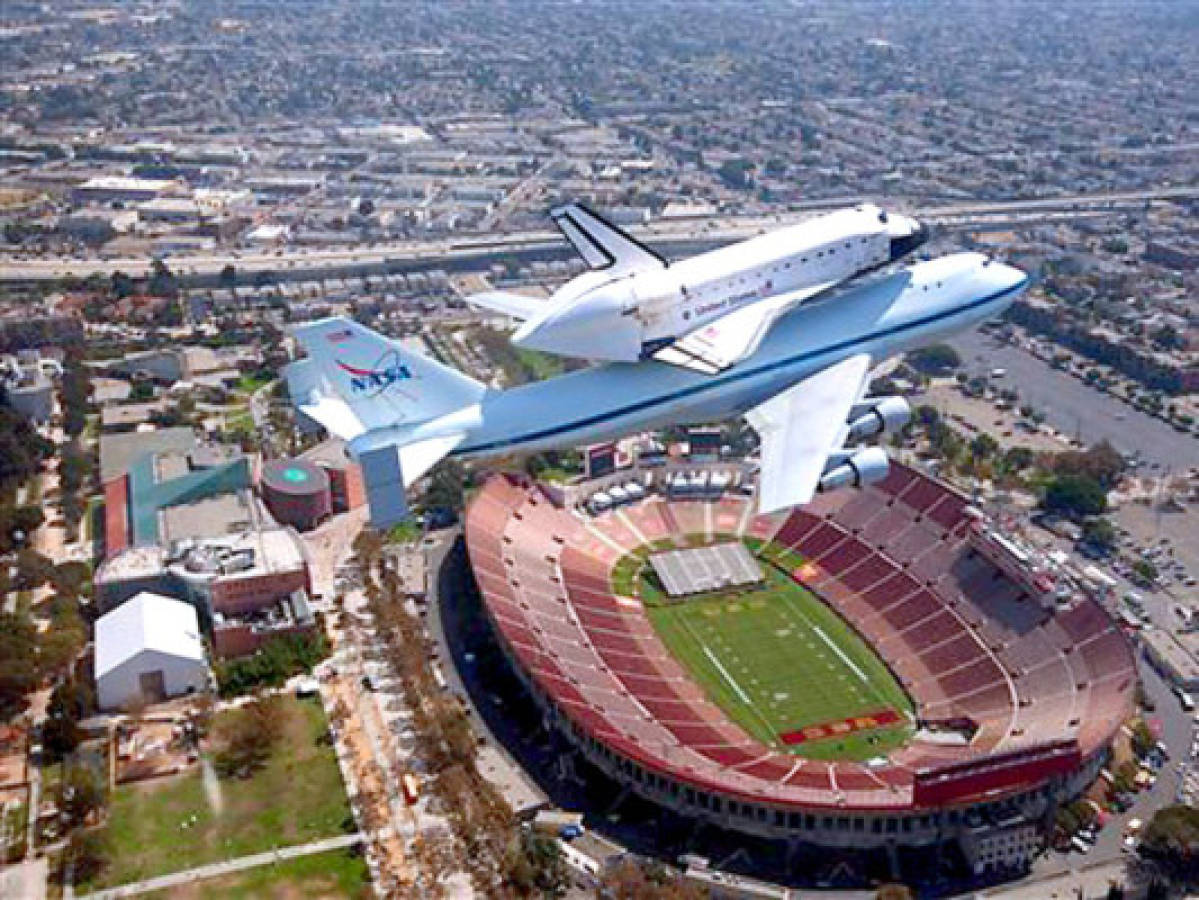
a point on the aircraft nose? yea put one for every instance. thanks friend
(1008, 277)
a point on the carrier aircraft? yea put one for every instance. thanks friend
(706, 312)
(803, 389)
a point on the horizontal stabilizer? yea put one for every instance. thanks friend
(734, 336)
(389, 469)
(602, 245)
(506, 303)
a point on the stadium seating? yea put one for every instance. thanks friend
(892, 559)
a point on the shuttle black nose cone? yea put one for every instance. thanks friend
(902, 246)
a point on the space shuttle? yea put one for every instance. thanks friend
(705, 313)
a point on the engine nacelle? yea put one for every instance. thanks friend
(866, 466)
(875, 416)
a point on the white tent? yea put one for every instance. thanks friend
(148, 647)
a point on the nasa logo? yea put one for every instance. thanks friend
(388, 371)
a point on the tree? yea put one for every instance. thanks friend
(1099, 533)
(81, 793)
(70, 701)
(1172, 840)
(736, 173)
(85, 855)
(1076, 496)
(162, 281)
(18, 661)
(1146, 569)
(1142, 738)
(447, 485)
(983, 447)
(1102, 462)
(1017, 459)
(636, 880)
(245, 737)
(533, 866)
(936, 359)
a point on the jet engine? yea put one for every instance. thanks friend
(866, 466)
(878, 415)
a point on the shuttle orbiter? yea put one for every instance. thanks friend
(706, 312)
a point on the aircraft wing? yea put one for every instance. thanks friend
(801, 427)
(518, 306)
(601, 244)
(714, 347)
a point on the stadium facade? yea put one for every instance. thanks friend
(1018, 693)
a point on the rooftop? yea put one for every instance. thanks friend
(243, 555)
(120, 451)
(147, 621)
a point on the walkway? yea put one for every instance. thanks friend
(227, 867)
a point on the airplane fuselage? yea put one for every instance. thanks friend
(889, 314)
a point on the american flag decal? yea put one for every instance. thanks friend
(337, 337)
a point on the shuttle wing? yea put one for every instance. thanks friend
(518, 306)
(714, 347)
(602, 245)
(801, 427)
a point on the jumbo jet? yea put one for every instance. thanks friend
(707, 312)
(803, 390)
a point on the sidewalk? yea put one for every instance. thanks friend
(227, 867)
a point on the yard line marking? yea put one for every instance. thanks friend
(725, 673)
(845, 659)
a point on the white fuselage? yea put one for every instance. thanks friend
(913, 307)
(624, 317)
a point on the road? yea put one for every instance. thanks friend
(227, 867)
(681, 231)
(1060, 874)
(1075, 408)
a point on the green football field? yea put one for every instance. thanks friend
(777, 660)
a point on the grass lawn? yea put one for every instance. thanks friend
(248, 384)
(337, 873)
(777, 659)
(166, 825)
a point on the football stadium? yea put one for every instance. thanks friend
(874, 670)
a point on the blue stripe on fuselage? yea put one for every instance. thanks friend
(717, 381)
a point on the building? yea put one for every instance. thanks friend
(233, 574)
(97, 224)
(1010, 720)
(32, 396)
(1167, 653)
(148, 650)
(114, 188)
(297, 493)
(172, 494)
(347, 490)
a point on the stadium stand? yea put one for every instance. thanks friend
(1027, 696)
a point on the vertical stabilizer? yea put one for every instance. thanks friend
(372, 379)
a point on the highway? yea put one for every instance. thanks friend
(723, 229)
(1075, 408)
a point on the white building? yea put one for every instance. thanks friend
(148, 648)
